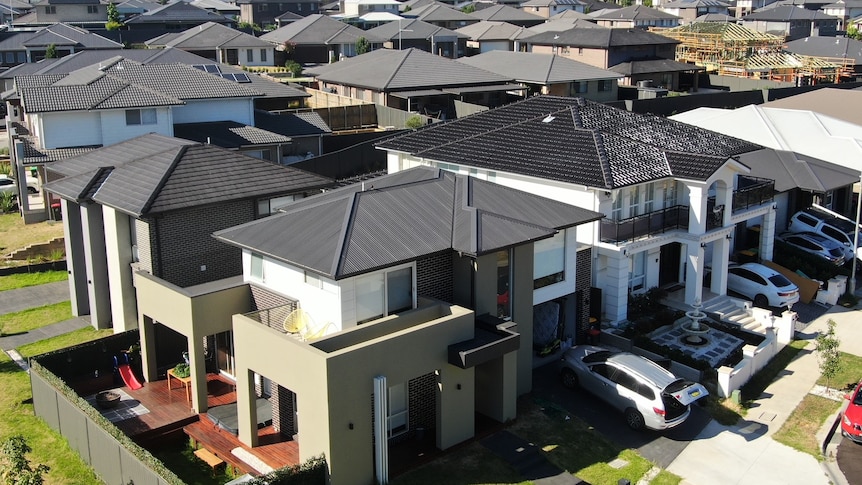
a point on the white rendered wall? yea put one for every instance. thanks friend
(240, 110)
(114, 128)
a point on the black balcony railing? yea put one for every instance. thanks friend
(752, 192)
(655, 222)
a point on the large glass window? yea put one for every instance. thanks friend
(670, 194)
(637, 271)
(649, 197)
(256, 266)
(634, 201)
(141, 116)
(549, 260)
(384, 293)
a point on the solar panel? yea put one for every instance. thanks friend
(242, 78)
(210, 68)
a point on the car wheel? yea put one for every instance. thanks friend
(634, 419)
(761, 301)
(31, 190)
(569, 379)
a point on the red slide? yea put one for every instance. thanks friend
(129, 377)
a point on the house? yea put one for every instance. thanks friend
(79, 13)
(561, 24)
(549, 8)
(413, 33)
(634, 53)
(248, 140)
(831, 102)
(667, 189)
(224, 9)
(131, 8)
(844, 50)
(305, 130)
(844, 10)
(319, 39)
(636, 17)
(11, 9)
(264, 12)
(804, 132)
(150, 204)
(400, 279)
(689, 10)
(30, 46)
(550, 74)
(441, 16)
(286, 18)
(745, 7)
(791, 22)
(221, 44)
(505, 13)
(486, 36)
(414, 80)
(177, 16)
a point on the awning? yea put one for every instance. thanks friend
(481, 89)
(417, 93)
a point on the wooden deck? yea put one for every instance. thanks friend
(274, 449)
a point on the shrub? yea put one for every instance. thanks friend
(182, 370)
(312, 472)
(8, 203)
(294, 68)
(15, 468)
(414, 122)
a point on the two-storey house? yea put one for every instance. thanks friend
(264, 12)
(674, 196)
(549, 8)
(318, 39)
(30, 46)
(221, 44)
(80, 13)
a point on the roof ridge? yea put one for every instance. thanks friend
(164, 180)
(604, 159)
(143, 88)
(406, 54)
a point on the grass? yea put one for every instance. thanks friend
(800, 429)
(180, 458)
(849, 374)
(49, 447)
(33, 318)
(15, 235)
(724, 411)
(23, 280)
(61, 342)
(766, 376)
(469, 464)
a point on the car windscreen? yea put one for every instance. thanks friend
(857, 400)
(599, 356)
(779, 280)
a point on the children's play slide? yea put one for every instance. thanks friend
(129, 377)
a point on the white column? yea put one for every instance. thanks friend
(697, 195)
(95, 260)
(693, 272)
(767, 235)
(720, 260)
(615, 291)
(381, 438)
(118, 250)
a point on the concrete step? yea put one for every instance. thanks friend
(754, 326)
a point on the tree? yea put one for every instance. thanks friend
(113, 22)
(15, 468)
(294, 68)
(414, 122)
(51, 52)
(828, 355)
(362, 46)
(470, 8)
(854, 33)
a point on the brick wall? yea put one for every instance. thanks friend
(434, 276)
(283, 413)
(185, 243)
(422, 401)
(280, 305)
(584, 268)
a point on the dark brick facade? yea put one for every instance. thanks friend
(434, 276)
(584, 269)
(273, 308)
(422, 402)
(283, 414)
(181, 243)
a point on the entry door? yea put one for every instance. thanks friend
(397, 410)
(669, 256)
(224, 353)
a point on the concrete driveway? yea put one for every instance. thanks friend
(659, 447)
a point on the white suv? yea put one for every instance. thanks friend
(649, 396)
(828, 224)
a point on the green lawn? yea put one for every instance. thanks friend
(760, 381)
(79, 336)
(800, 429)
(27, 320)
(48, 447)
(849, 374)
(23, 280)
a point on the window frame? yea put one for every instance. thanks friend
(142, 117)
(384, 304)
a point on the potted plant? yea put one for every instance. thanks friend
(182, 370)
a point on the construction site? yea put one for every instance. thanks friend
(732, 50)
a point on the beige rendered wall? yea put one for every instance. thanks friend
(335, 389)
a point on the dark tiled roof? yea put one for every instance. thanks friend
(227, 134)
(827, 47)
(536, 68)
(209, 36)
(581, 37)
(573, 140)
(653, 65)
(103, 93)
(393, 70)
(57, 34)
(178, 12)
(181, 81)
(291, 124)
(401, 217)
(635, 12)
(412, 29)
(695, 4)
(154, 173)
(490, 30)
(786, 13)
(439, 13)
(505, 13)
(318, 29)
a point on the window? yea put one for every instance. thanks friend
(10, 58)
(257, 267)
(312, 279)
(262, 7)
(564, 49)
(549, 260)
(449, 166)
(92, 9)
(580, 51)
(382, 294)
(670, 194)
(299, 7)
(605, 85)
(828, 199)
(50, 10)
(617, 207)
(141, 116)
(634, 201)
(637, 271)
(649, 197)
(579, 87)
(263, 55)
(249, 55)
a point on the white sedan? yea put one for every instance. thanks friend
(762, 285)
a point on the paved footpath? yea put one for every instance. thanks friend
(746, 453)
(32, 297)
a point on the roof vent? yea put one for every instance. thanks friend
(548, 119)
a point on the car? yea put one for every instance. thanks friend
(762, 285)
(8, 186)
(851, 418)
(648, 395)
(828, 224)
(816, 244)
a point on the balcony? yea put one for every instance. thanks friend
(274, 317)
(752, 192)
(649, 224)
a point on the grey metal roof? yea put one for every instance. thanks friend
(550, 3)
(439, 13)
(562, 24)
(209, 36)
(291, 124)
(318, 30)
(843, 47)
(492, 30)
(393, 70)
(792, 170)
(715, 17)
(575, 141)
(695, 4)
(536, 68)
(505, 13)
(584, 37)
(653, 65)
(178, 12)
(401, 217)
(786, 13)
(227, 134)
(635, 12)
(57, 34)
(413, 29)
(153, 173)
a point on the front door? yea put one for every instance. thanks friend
(669, 256)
